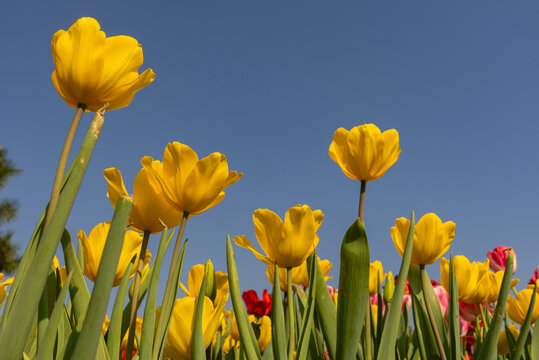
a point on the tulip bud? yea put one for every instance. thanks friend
(389, 288)
(211, 286)
(498, 258)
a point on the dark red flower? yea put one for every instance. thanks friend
(256, 306)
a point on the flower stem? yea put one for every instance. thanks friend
(290, 307)
(57, 185)
(423, 274)
(362, 200)
(483, 317)
(136, 289)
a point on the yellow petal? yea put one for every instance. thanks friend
(116, 186)
(299, 236)
(243, 242)
(269, 232)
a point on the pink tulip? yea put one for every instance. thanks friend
(443, 297)
(331, 290)
(468, 312)
(535, 276)
(465, 326)
(498, 257)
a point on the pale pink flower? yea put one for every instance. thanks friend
(498, 258)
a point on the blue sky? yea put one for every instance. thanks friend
(267, 84)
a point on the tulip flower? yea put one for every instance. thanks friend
(432, 238)
(442, 296)
(194, 281)
(138, 331)
(178, 342)
(473, 280)
(93, 245)
(288, 244)
(150, 208)
(264, 326)
(376, 273)
(365, 153)
(468, 312)
(189, 184)
(496, 283)
(534, 278)
(300, 274)
(3, 286)
(498, 258)
(518, 307)
(503, 345)
(92, 69)
(256, 306)
(61, 270)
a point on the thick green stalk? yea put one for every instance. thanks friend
(429, 312)
(134, 303)
(19, 321)
(290, 313)
(362, 200)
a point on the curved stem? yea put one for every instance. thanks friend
(290, 314)
(136, 289)
(422, 273)
(362, 200)
(57, 185)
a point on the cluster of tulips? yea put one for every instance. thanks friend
(49, 312)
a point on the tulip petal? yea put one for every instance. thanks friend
(243, 242)
(116, 186)
(299, 236)
(269, 232)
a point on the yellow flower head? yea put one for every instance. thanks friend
(194, 281)
(138, 332)
(432, 238)
(473, 279)
(364, 152)
(288, 244)
(376, 271)
(189, 184)
(61, 270)
(496, 279)
(503, 345)
(3, 286)
(93, 245)
(517, 308)
(264, 326)
(150, 207)
(178, 342)
(92, 69)
(300, 274)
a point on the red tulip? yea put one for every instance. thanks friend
(535, 276)
(256, 306)
(498, 257)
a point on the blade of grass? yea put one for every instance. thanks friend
(305, 334)
(278, 336)
(454, 317)
(198, 350)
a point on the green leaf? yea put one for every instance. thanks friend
(247, 336)
(534, 348)
(114, 337)
(423, 328)
(353, 290)
(306, 327)
(489, 347)
(19, 320)
(454, 317)
(46, 346)
(148, 322)
(198, 350)
(325, 310)
(389, 335)
(525, 328)
(88, 340)
(278, 335)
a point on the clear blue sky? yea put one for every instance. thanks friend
(267, 84)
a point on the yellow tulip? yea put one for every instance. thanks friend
(432, 238)
(92, 69)
(518, 307)
(376, 271)
(61, 270)
(93, 245)
(496, 283)
(194, 281)
(264, 326)
(473, 279)
(503, 345)
(288, 244)
(150, 207)
(138, 332)
(3, 286)
(364, 152)
(300, 274)
(178, 342)
(189, 184)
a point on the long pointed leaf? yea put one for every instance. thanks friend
(198, 350)
(525, 328)
(278, 336)
(305, 334)
(454, 318)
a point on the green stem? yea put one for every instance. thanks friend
(362, 200)
(290, 307)
(423, 274)
(57, 185)
(482, 310)
(136, 289)
(368, 341)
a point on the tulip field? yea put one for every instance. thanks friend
(66, 311)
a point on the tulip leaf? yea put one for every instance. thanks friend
(19, 320)
(278, 336)
(148, 322)
(46, 346)
(418, 333)
(534, 348)
(64, 333)
(114, 337)
(454, 317)
(389, 335)
(91, 330)
(247, 336)
(489, 346)
(525, 328)
(423, 326)
(325, 309)
(353, 290)
(198, 350)
(305, 333)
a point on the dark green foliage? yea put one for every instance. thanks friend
(8, 210)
